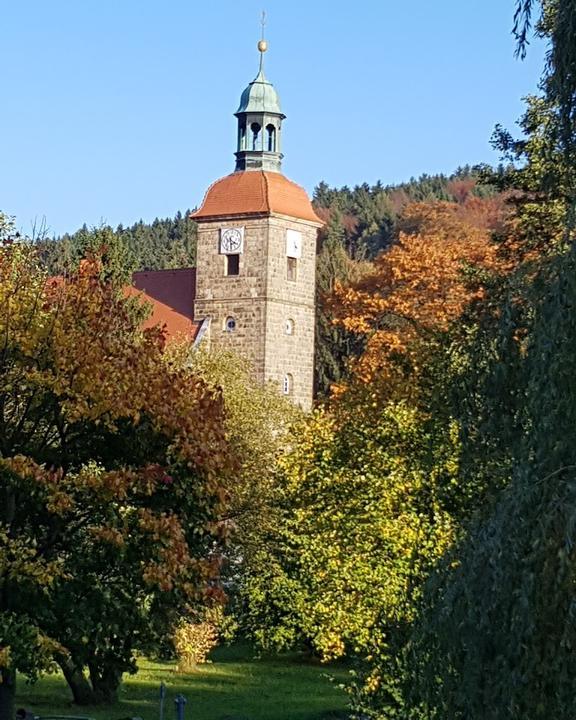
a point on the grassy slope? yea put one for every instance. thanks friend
(235, 685)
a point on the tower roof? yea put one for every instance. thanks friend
(260, 96)
(256, 193)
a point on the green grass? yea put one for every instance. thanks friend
(235, 686)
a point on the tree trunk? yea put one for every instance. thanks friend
(77, 682)
(106, 684)
(7, 694)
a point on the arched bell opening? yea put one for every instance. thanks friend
(270, 138)
(256, 137)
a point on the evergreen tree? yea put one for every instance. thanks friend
(162, 244)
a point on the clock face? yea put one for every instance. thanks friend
(293, 243)
(231, 240)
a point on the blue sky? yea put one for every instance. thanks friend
(116, 110)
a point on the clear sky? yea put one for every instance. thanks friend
(116, 110)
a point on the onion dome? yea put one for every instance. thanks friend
(260, 97)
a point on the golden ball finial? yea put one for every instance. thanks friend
(262, 46)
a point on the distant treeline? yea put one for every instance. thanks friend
(367, 214)
(162, 244)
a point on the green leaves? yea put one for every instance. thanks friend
(508, 587)
(359, 529)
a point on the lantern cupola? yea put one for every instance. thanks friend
(259, 124)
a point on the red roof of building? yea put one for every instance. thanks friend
(171, 294)
(256, 192)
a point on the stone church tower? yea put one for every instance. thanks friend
(256, 256)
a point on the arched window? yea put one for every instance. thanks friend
(289, 327)
(230, 324)
(243, 137)
(270, 138)
(255, 135)
(288, 384)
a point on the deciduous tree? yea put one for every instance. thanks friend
(443, 261)
(112, 477)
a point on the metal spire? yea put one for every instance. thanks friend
(262, 44)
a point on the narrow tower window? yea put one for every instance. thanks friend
(255, 135)
(291, 269)
(243, 137)
(288, 384)
(270, 138)
(289, 327)
(232, 264)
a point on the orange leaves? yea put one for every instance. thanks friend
(105, 446)
(78, 340)
(422, 284)
(58, 499)
(172, 560)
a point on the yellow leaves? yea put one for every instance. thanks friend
(4, 658)
(364, 525)
(193, 641)
(20, 559)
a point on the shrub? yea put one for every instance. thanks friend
(193, 641)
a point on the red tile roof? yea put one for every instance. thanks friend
(171, 294)
(255, 192)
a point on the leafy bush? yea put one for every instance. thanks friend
(193, 641)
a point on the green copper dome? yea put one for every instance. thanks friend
(260, 96)
(260, 119)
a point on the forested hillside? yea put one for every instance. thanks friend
(369, 214)
(361, 222)
(366, 221)
(163, 243)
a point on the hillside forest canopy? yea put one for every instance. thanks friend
(418, 524)
(360, 224)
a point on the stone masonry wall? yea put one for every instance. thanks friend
(291, 300)
(261, 299)
(242, 296)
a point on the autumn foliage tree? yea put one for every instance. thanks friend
(111, 480)
(362, 518)
(258, 424)
(444, 260)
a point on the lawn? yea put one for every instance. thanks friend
(235, 686)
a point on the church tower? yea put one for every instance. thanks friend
(256, 256)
